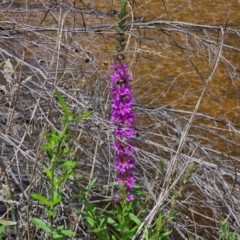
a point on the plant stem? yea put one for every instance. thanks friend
(122, 225)
(52, 195)
(55, 157)
(123, 14)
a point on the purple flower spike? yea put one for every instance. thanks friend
(122, 119)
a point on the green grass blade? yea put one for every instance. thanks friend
(63, 104)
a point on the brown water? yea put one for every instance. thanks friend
(163, 74)
(164, 77)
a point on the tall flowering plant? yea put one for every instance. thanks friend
(122, 119)
(125, 218)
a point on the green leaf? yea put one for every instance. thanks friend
(41, 198)
(119, 215)
(111, 212)
(2, 228)
(190, 237)
(49, 155)
(110, 185)
(7, 223)
(50, 213)
(133, 231)
(90, 220)
(158, 237)
(135, 219)
(52, 136)
(66, 163)
(146, 236)
(71, 177)
(173, 215)
(58, 237)
(56, 201)
(161, 164)
(113, 223)
(47, 147)
(48, 172)
(52, 144)
(166, 233)
(84, 115)
(191, 166)
(90, 207)
(63, 151)
(63, 104)
(128, 206)
(65, 175)
(81, 213)
(39, 223)
(104, 210)
(161, 235)
(64, 232)
(67, 232)
(130, 233)
(103, 223)
(90, 185)
(159, 222)
(96, 230)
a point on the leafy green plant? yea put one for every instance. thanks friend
(118, 224)
(97, 221)
(126, 217)
(160, 230)
(225, 234)
(55, 150)
(190, 237)
(123, 221)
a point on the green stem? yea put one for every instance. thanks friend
(122, 224)
(122, 15)
(53, 172)
(52, 195)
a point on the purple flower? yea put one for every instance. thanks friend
(122, 117)
(118, 147)
(114, 65)
(121, 91)
(124, 162)
(121, 108)
(127, 178)
(122, 68)
(129, 198)
(115, 77)
(127, 77)
(128, 118)
(117, 197)
(121, 148)
(120, 75)
(130, 148)
(125, 133)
